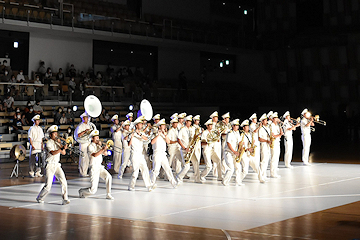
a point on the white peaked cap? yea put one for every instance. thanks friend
(127, 122)
(85, 114)
(157, 116)
(174, 120)
(226, 115)
(209, 122)
(235, 122)
(214, 114)
(269, 115)
(275, 115)
(188, 118)
(94, 133)
(304, 111)
(182, 115)
(161, 122)
(130, 114)
(114, 117)
(175, 115)
(197, 117)
(53, 128)
(36, 117)
(286, 114)
(245, 123)
(263, 117)
(139, 120)
(253, 116)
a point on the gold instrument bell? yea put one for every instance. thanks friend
(18, 152)
(69, 141)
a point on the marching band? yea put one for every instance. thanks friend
(175, 147)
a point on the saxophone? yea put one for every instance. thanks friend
(241, 149)
(272, 140)
(192, 145)
(253, 146)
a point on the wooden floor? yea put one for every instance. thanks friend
(341, 222)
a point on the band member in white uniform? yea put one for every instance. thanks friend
(181, 119)
(117, 138)
(208, 150)
(36, 136)
(196, 125)
(254, 129)
(53, 166)
(81, 135)
(97, 170)
(126, 151)
(288, 127)
(264, 139)
(174, 147)
(226, 120)
(217, 172)
(306, 124)
(137, 157)
(130, 117)
(186, 134)
(246, 159)
(233, 142)
(159, 155)
(277, 132)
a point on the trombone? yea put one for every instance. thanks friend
(316, 119)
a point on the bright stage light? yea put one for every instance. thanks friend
(131, 107)
(75, 108)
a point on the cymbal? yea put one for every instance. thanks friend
(18, 152)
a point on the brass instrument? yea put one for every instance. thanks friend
(253, 146)
(317, 120)
(241, 149)
(109, 144)
(192, 145)
(272, 139)
(215, 135)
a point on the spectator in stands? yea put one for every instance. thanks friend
(60, 75)
(104, 116)
(27, 108)
(9, 103)
(37, 80)
(29, 115)
(70, 116)
(38, 109)
(58, 115)
(17, 123)
(48, 78)
(39, 95)
(20, 77)
(17, 111)
(82, 75)
(72, 84)
(63, 119)
(6, 77)
(42, 69)
(72, 71)
(24, 121)
(5, 67)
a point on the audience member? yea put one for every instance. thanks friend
(29, 115)
(24, 120)
(63, 119)
(6, 77)
(42, 69)
(38, 109)
(27, 108)
(17, 123)
(58, 115)
(104, 116)
(9, 103)
(2, 108)
(60, 75)
(70, 116)
(72, 84)
(20, 77)
(72, 71)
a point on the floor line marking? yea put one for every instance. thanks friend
(226, 234)
(318, 196)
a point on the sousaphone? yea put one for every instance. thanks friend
(92, 106)
(146, 109)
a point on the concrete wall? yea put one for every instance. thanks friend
(59, 52)
(198, 10)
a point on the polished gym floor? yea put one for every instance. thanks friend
(321, 201)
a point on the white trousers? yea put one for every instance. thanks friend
(275, 156)
(306, 140)
(232, 166)
(117, 154)
(34, 167)
(83, 159)
(288, 150)
(51, 170)
(255, 161)
(160, 160)
(139, 164)
(175, 160)
(126, 153)
(265, 156)
(209, 154)
(97, 172)
(186, 167)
